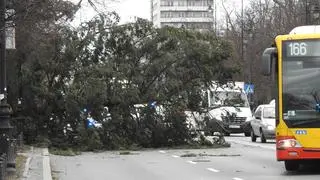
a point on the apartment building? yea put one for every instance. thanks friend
(190, 14)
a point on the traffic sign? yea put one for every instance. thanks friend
(249, 88)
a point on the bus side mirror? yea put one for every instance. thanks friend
(267, 58)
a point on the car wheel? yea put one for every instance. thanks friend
(291, 165)
(253, 137)
(263, 137)
(247, 134)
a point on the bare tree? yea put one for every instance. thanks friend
(254, 30)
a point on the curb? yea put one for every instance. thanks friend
(46, 165)
(26, 168)
(27, 164)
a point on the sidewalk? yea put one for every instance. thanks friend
(37, 166)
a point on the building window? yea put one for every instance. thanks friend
(186, 2)
(182, 14)
(182, 3)
(166, 3)
(187, 14)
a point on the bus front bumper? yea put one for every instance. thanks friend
(298, 154)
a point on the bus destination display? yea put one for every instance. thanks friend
(302, 48)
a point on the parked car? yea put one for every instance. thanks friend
(263, 123)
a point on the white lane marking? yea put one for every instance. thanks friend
(237, 178)
(175, 156)
(46, 165)
(191, 162)
(213, 170)
(162, 152)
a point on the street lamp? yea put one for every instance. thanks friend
(5, 109)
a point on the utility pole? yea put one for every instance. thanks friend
(5, 109)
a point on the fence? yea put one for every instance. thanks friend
(12, 153)
(19, 141)
(3, 166)
(8, 160)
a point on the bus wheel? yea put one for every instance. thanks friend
(291, 165)
(253, 137)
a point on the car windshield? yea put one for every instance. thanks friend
(301, 91)
(269, 112)
(232, 98)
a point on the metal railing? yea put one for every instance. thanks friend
(8, 160)
(19, 141)
(8, 157)
(12, 153)
(3, 166)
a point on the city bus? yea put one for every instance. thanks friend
(294, 62)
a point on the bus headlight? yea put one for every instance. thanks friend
(288, 143)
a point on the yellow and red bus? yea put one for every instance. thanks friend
(295, 63)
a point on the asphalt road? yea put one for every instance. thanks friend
(243, 161)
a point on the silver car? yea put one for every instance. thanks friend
(263, 123)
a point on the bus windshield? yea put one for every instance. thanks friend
(301, 91)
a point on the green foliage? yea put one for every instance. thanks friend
(101, 64)
(64, 152)
(42, 141)
(177, 132)
(89, 140)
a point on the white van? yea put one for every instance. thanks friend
(228, 109)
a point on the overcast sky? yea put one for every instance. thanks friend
(131, 8)
(128, 9)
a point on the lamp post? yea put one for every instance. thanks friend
(5, 109)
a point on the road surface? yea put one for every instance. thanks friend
(243, 161)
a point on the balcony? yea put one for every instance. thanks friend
(182, 19)
(183, 8)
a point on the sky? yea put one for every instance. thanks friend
(128, 9)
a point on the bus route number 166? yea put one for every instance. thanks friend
(297, 49)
